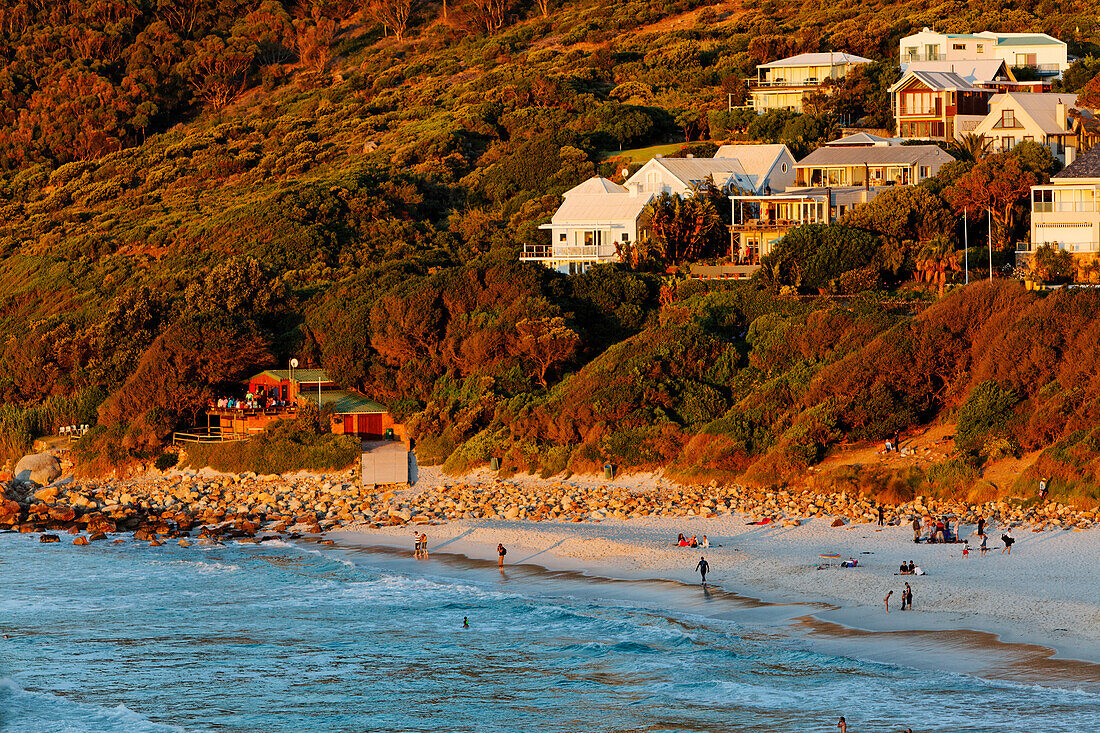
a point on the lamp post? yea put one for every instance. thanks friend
(966, 248)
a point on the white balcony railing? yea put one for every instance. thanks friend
(567, 252)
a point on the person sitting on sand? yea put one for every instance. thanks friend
(918, 571)
(693, 542)
(706, 542)
(681, 541)
(904, 569)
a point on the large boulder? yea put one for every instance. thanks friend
(39, 468)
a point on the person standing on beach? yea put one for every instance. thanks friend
(703, 566)
(1042, 489)
(1008, 539)
(981, 526)
(916, 529)
(984, 547)
(416, 545)
(465, 622)
(501, 552)
(886, 600)
(423, 545)
(907, 597)
(881, 515)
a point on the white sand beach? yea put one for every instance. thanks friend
(1046, 592)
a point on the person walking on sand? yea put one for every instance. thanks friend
(881, 516)
(886, 600)
(1008, 539)
(984, 546)
(842, 724)
(703, 566)
(501, 552)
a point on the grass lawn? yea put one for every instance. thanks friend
(641, 155)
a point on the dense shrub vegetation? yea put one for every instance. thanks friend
(192, 190)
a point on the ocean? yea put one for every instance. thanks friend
(283, 638)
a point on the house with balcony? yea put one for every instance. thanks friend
(782, 84)
(885, 165)
(599, 216)
(1065, 213)
(1024, 117)
(759, 222)
(1048, 56)
(937, 105)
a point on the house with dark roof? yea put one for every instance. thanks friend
(876, 165)
(937, 105)
(1065, 213)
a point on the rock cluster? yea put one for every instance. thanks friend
(240, 506)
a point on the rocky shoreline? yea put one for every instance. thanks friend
(177, 505)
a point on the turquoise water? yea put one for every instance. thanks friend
(280, 638)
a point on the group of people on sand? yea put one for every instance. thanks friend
(906, 599)
(910, 568)
(682, 541)
(421, 544)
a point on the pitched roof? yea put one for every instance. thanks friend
(937, 81)
(1087, 166)
(595, 184)
(863, 139)
(303, 376)
(886, 155)
(756, 160)
(1040, 108)
(1022, 39)
(973, 72)
(817, 59)
(600, 207)
(343, 402)
(694, 171)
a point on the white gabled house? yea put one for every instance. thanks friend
(1045, 54)
(783, 83)
(599, 215)
(1065, 213)
(1028, 117)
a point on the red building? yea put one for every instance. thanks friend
(276, 394)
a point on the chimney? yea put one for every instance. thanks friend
(1071, 154)
(1060, 114)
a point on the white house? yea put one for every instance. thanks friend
(782, 84)
(1046, 54)
(1043, 118)
(1065, 213)
(598, 215)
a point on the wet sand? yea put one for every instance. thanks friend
(763, 579)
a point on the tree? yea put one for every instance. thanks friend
(813, 256)
(970, 146)
(546, 343)
(1050, 263)
(488, 15)
(682, 229)
(936, 258)
(998, 184)
(906, 217)
(1089, 96)
(393, 14)
(240, 286)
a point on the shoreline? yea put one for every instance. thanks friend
(634, 550)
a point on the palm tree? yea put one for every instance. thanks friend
(971, 146)
(935, 258)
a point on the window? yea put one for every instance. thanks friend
(958, 46)
(562, 237)
(626, 237)
(924, 171)
(1025, 59)
(1042, 200)
(1008, 118)
(911, 51)
(981, 48)
(593, 238)
(1029, 138)
(1007, 143)
(783, 167)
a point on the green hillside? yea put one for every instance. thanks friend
(193, 189)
